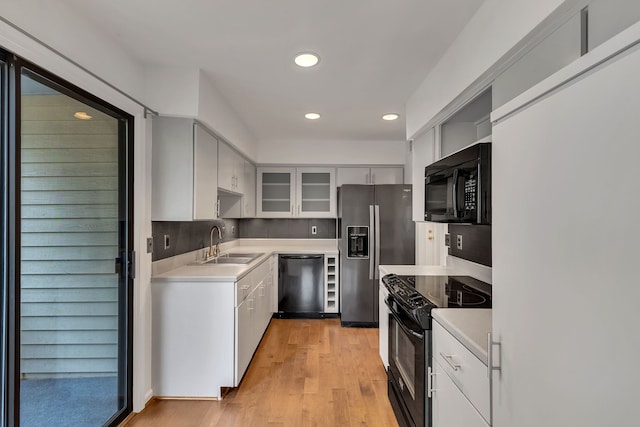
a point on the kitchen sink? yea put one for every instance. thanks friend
(242, 255)
(232, 258)
(229, 260)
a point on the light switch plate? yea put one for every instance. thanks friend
(149, 245)
(167, 242)
(314, 229)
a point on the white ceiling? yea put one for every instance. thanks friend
(374, 54)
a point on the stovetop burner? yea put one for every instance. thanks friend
(419, 294)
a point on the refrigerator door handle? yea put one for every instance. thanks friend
(377, 238)
(371, 246)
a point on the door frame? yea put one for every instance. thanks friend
(11, 366)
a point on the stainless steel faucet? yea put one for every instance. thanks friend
(214, 252)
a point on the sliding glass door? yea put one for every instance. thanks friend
(4, 260)
(73, 279)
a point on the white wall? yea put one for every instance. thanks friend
(332, 152)
(188, 92)
(61, 27)
(216, 113)
(495, 28)
(172, 91)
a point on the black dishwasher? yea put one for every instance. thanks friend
(300, 286)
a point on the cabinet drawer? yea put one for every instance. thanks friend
(249, 282)
(450, 406)
(470, 374)
(261, 271)
(244, 287)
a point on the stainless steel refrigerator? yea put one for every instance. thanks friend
(375, 227)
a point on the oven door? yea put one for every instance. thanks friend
(408, 358)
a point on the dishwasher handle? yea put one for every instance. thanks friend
(301, 256)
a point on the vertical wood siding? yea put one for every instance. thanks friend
(69, 292)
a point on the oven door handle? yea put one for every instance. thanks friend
(405, 328)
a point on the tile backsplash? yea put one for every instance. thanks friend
(188, 236)
(475, 241)
(256, 228)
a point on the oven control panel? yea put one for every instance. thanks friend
(412, 302)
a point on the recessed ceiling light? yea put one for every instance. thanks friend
(306, 59)
(82, 115)
(390, 116)
(312, 116)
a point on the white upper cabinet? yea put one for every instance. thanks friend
(230, 169)
(205, 160)
(316, 192)
(185, 162)
(249, 190)
(421, 156)
(296, 192)
(386, 175)
(276, 192)
(370, 175)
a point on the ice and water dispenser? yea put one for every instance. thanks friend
(358, 242)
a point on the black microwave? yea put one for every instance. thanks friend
(457, 188)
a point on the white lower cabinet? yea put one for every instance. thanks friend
(245, 315)
(205, 333)
(460, 385)
(450, 408)
(383, 324)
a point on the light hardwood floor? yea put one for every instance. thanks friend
(308, 372)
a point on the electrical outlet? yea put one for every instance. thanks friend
(459, 241)
(149, 245)
(166, 241)
(314, 229)
(233, 230)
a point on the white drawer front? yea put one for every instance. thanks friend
(244, 287)
(261, 271)
(249, 282)
(450, 407)
(466, 370)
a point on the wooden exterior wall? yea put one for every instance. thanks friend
(69, 291)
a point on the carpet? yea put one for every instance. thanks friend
(68, 402)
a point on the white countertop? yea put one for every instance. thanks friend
(470, 326)
(181, 268)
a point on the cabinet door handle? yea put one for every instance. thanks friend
(490, 361)
(449, 359)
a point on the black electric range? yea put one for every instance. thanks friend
(417, 295)
(410, 301)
